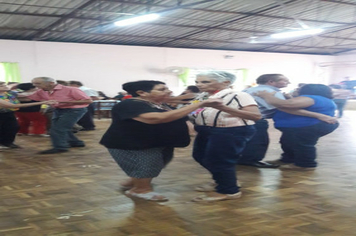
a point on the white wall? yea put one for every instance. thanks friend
(344, 66)
(107, 67)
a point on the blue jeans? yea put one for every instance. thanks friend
(298, 144)
(61, 128)
(218, 150)
(256, 148)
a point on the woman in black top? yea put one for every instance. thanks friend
(144, 132)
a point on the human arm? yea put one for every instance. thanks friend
(248, 112)
(298, 102)
(4, 104)
(294, 105)
(165, 117)
(319, 116)
(78, 102)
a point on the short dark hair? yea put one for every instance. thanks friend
(75, 82)
(193, 88)
(144, 85)
(263, 79)
(25, 86)
(316, 89)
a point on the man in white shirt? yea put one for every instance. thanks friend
(87, 121)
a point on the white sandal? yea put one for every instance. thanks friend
(150, 196)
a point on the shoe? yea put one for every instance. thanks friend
(39, 135)
(261, 164)
(278, 162)
(217, 198)
(77, 145)
(209, 187)
(2, 147)
(294, 167)
(53, 151)
(13, 146)
(150, 196)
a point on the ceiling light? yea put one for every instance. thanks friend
(136, 20)
(297, 33)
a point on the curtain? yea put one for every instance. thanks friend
(183, 76)
(11, 71)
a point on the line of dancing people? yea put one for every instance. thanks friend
(231, 128)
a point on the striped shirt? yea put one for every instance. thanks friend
(209, 116)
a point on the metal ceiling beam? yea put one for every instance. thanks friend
(62, 19)
(222, 24)
(151, 37)
(296, 40)
(339, 2)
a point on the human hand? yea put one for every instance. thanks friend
(51, 102)
(328, 119)
(264, 93)
(212, 102)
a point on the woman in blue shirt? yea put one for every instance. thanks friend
(300, 134)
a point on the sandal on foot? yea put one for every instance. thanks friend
(217, 198)
(124, 188)
(150, 196)
(208, 187)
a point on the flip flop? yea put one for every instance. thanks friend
(150, 196)
(124, 188)
(205, 198)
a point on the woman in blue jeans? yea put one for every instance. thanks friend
(300, 134)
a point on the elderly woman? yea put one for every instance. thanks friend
(223, 131)
(144, 132)
(300, 134)
(8, 123)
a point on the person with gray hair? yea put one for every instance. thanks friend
(72, 105)
(223, 131)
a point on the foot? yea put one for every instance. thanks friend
(260, 164)
(217, 197)
(13, 146)
(126, 185)
(278, 162)
(150, 196)
(2, 147)
(77, 145)
(210, 187)
(294, 167)
(53, 151)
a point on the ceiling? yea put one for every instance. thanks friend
(233, 25)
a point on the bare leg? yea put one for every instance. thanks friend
(127, 183)
(141, 185)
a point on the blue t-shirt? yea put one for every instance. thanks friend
(321, 105)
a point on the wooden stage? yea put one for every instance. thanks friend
(76, 193)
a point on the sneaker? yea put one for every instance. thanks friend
(294, 167)
(53, 151)
(13, 146)
(278, 162)
(2, 147)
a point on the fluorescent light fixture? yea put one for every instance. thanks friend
(136, 20)
(298, 33)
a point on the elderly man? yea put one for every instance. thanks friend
(87, 121)
(72, 105)
(256, 148)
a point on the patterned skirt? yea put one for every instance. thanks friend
(146, 163)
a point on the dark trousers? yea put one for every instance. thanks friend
(340, 105)
(256, 148)
(87, 121)
(8, 128)
(218, 150)
(63, 120)
(298, 144)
